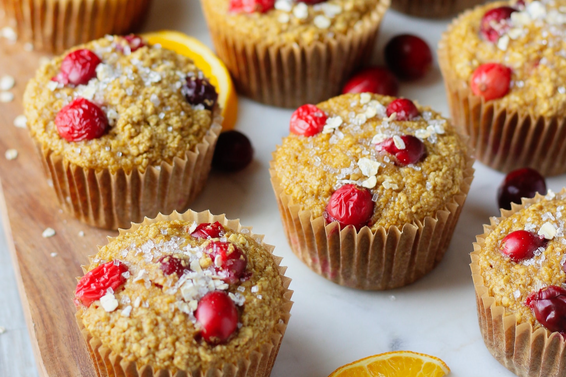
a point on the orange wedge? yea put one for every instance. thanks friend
(394, 364)
(209, 64)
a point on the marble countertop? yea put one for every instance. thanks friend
(330, 325)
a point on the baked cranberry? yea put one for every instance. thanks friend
(233, 151)
(404, 108)
(376, 80)
(520, 4)
(521, 244)
(408, 56)
(408, 150)
(134, 42)
(250, 6)
(491, 81)
(78, 67)
(520, 183)
(549, 307)
(350, 205)
(81, 120)
(172, 265)
(229, 261)
(495, 22)
(208, 230)
(96, 282)
(218, 316)
(307, 120)
(199, 91)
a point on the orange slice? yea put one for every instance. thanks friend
(394, 364)
(209, 64)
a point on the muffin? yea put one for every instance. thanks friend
(56, 25)
(124, 130)
(286, 53)
(505, 78)
(433, 8)
(518, 272)
(370, 189)
(186, 294)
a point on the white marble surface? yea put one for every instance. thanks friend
(330, 325)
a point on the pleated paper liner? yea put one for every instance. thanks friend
(433, 8)
(113, 200)
(383, 259)
(56, 25)
(251, 363)
(517, 346)
(291, 75)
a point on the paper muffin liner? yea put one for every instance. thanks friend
(292, 74)
(56, 25)
(380, 259)
(109, 200)
(433, 8)
(517, 346)
(257, 363)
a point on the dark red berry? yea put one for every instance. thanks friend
(233, 151)
(208, 230)
(520, 183)
(172, 265)
(404, 108)
(96, 282)
(199, 91)
(495, 23)
(78, 67)
(491, 81)
(218, 316)
(350, 205)
(409, 151)
(376, 80)
(134, 42)
(228, 261)
(549, 307)
(307, 120)
(81, 120)
(521, 244)
(251, 6)
(408, 56)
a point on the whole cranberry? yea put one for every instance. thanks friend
(408, 150)
(521, 244)
(549, 307)
(378, 80)
(218, 316)
(250, 6)
(134, 42)
(172, 265)
(78, 67)
(408, 56)
(233, 151)
(350, 205)
(495, 22)
(404, 108)
(208, 230)
(199, 91)
(520, 183)
(491, 81)
(229, 261)
(307, 120)
(81, 120)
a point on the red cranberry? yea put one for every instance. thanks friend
(350, 205)
(521, 244)
(96, 282)
(520, 183)
(549, 307)
(208, 230)
(133, 41)
(172, 265)
(414, 149)
(78, 67)
(376, 80)
(218, 316)
(491, 81)
(81, 120)
(494, 22)
(233, 151)
(404, 108)
(250, 6)
(307, 120)
(408, 56)
(199, 91)
(229, 261)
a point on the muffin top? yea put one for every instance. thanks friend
(147, 293)
(136, 99)
(529, 38)
(405, 161)
(291, 21)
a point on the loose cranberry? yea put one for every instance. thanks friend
(520, 183)
(172, 265)
(376, 80)
(251, 6)
(133, 41)
(350, 205)
(95, 283)
(201, 92)
(408, 56)
(521, 244)
(307, 120)
(549, 307)
(411, 152)
(81, 120)
(229, 261)
(208, 230)
(495, 22)
(491, 81)
(218, 316)
(233, 152)
(78, 67)
(404, 108)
